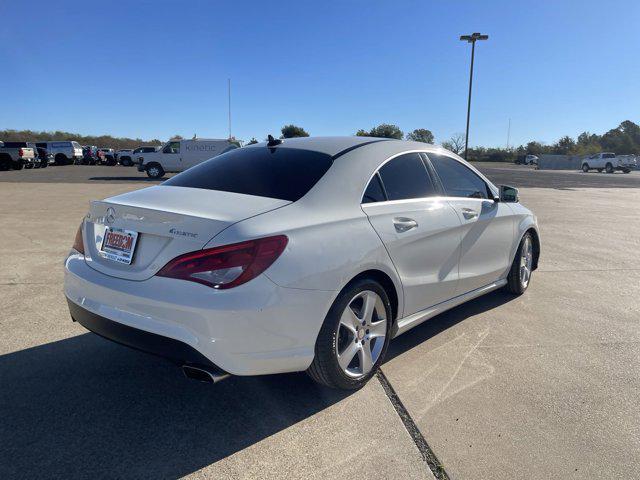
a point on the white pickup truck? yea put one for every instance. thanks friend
(608, 162)
(16, 155)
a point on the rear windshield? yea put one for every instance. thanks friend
(283, 173)
(15, 144)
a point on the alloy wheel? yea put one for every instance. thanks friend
(526, 261)
(361, 334)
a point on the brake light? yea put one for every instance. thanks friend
(227, 266)
(78, 243)
(20, 152)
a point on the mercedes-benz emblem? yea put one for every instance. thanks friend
(110, 216)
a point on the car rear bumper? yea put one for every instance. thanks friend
(256, 328)
(178, 352)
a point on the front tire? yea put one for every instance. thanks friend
(585, 168)
(608, 168)
(354, 337)
(522, 267)
(155, 171)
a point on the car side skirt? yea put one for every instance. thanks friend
(407, 323)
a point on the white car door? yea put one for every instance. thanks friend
(420, 230)
(170, 157)
(487, 227)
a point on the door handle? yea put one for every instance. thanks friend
(469, 213)
(403, 224)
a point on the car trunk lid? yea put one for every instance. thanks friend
(169, 221)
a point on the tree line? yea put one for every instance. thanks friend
(97, 140)
(624, 139)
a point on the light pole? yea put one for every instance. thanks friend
(472, 40)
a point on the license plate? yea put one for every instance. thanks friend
(118, 245)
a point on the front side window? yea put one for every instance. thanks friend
(172, 147)
(609, 155)
(457, 179)
(406, 177)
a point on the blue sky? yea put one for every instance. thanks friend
(154, 69)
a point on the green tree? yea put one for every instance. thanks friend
(362, 133)
(421, 135)
(385, 130)
(565, 146)
(252, 141)
(292, 131)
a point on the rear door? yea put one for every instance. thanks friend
(420, 230)
(486, 227)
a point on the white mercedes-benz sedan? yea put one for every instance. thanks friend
(307, 254)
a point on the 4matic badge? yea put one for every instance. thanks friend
(182, 233)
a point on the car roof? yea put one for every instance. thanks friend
(328, 145)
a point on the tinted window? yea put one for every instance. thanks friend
(406, 177)
(374, 192)
(608, 155)
(15, 144)
(283, 173)
(457, 179)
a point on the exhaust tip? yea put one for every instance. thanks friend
(204, 375)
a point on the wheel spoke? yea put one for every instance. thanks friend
(368, 304)
(344, 358)
(378, 329)
(349, 320)
(364, 355)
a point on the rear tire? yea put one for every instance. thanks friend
(609, 168)
(155, 171)
(18, 165)
(519, 276)
(354, 337)
(585, 168)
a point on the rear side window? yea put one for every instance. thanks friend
(458, 180)
(15, 144)
(283, 173)
(374, 192)
(608, 155)
(406, 177)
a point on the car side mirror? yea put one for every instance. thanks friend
(509, 194)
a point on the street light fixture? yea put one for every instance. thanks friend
(472, 39)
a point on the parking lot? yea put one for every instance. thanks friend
(540, 386)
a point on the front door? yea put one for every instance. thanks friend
(171, 159)
(486, 226)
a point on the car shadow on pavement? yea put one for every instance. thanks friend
(83, 405)
(448, 319)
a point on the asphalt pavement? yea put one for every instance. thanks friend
(539, 386)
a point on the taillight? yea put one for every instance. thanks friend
(78, 243)
(227, 266)
(20, 152)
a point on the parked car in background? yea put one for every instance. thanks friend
(179, 155)
(308, 254)
(531, 160)
(608, 162)
(16, 155)
(43, 153)
(90, 155)
(43, 158)
(144, 149)
(108, 156)
(64, 152)
(125, 157)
